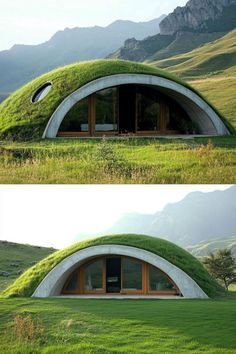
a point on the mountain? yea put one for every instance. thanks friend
(187, 28)
(198, 217)
(202, 249)
(209, 59)
(162, 46)
(201, 16)
(22, 63)
(15, 258)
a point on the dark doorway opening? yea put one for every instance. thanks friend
(127, 109)
(113, 275)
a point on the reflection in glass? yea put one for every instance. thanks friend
(131, 274)
(106, 110)
(72, 284)
(93, 276)
(148, 110)
(42, 92)
(158, 281)
(76, 120)
(178, 121)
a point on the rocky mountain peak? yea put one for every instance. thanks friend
(196, 15)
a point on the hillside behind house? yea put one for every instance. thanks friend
(203, 248)
(210, 59)
(15, 258)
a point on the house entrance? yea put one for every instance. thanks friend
(113, 275)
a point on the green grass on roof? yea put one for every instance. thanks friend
(26, 284)
(20, 119)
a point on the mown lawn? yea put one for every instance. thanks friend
(128, 160)
(117, 326)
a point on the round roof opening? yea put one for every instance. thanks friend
(41, 92)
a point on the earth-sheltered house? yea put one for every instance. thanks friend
(108, 98)
(118, 266)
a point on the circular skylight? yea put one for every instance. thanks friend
(41, 92)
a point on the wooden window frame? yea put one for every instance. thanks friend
(115, 113)
(145, 280)
(75, 291)
(160, 292)
(125, 291)
(99, 291)
(92, 120)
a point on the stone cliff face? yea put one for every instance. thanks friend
(196, 15)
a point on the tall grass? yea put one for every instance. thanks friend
(120, 161)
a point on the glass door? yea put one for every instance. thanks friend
(113, 275)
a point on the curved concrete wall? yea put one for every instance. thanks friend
(199, 111)
(53, 283)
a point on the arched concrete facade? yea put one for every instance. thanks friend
(198, 110)
(53, 283)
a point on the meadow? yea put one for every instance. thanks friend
(126, 160)
(211, 69)
(117, 326)
(15, 258)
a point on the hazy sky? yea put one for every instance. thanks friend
(33, 22)
(51, 215)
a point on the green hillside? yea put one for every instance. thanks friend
(183, 43)
(220, 90)
(211, 69)
(202, 249)
(210, 59)
(15, 258)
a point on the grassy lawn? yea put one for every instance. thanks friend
(127, 160)
(117, 326)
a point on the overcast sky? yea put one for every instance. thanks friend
(51, 215)
(33, 22)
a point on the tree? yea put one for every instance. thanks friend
(222, 266)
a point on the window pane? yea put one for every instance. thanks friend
(76, 120)
(93, 276)
(41, 92)
(178, 120)
(106, 110)
(158, 281)
(148, 110)
(72, 284)
(131, 274)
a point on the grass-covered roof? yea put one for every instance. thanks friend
(26, 284)
(21, 119)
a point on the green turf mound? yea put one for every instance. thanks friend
(26, 284)
(20, 119)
